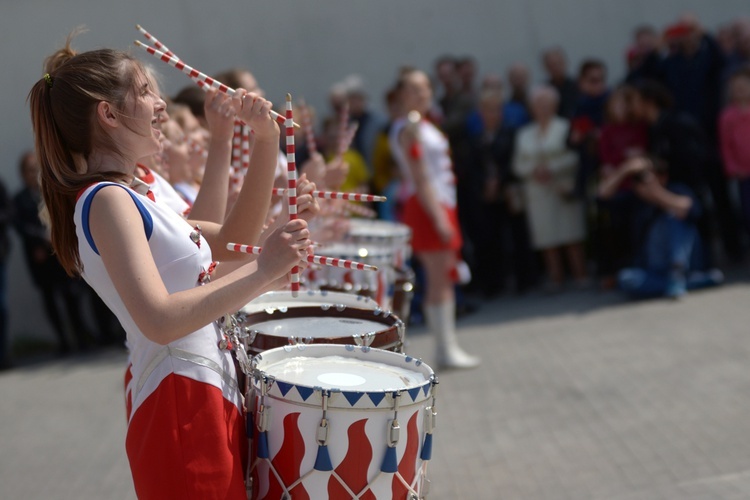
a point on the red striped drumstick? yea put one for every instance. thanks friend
(153, 40)
(336, 195)
(343, 125)
(237, 146)
(197, 75)
(245, 156)
(291, 176)
(160, 46)
(313, 259)
(196, 148)
(307, 125)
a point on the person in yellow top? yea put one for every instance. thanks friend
(358, 178)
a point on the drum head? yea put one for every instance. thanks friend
(357, 377)
(268, 329)
(282, 299)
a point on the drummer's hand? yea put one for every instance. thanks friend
(315, 169)
(219, 111)
(256, 112)
(285, 248)
(336, 172)
(307, 204)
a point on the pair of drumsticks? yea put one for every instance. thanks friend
(204, 81)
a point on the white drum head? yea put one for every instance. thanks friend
(282, 299)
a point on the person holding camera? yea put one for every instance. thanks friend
(669, 255)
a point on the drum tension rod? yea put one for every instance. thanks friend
(322, 433)
(395, 431)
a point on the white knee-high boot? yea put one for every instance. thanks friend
(441, 319)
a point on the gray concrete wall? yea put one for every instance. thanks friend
(303, 46)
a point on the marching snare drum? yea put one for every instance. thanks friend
(340, 422)
(396, 236)
(320, 324)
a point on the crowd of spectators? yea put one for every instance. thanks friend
(623, 182)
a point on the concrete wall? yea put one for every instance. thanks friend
(303, 46)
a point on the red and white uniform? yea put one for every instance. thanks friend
(433, 150)
(186, 436)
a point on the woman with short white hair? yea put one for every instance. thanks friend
(547, 169)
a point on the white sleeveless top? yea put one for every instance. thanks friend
(180, 262)
(436, 157)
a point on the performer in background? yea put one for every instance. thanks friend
(94, 115)
(422, 154)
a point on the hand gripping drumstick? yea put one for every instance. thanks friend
(313, 259)
(336, 195)
(291, 176)
(197, 75)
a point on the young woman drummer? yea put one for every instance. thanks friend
(94, 115)
(423, 156)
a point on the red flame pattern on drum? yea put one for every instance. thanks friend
(408, 464)
(288, 462)
(353, 469)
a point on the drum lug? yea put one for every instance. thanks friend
(430, 419)
(264, 416)
(393, 433)
(322, 434)
(364, 339)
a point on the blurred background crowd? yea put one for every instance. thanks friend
(637, 182)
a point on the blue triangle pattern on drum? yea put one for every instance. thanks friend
(305, 392)
(352, 397)
(284, 387)
(414, 392)
(426, 389)
(376, 397)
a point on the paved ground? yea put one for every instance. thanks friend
(580, 396)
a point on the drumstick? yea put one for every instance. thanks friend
(197, 75)
(160, 46)
(237, 146)
(312, 146)
(245, 149)
(313, 259)
(196, 148)
(343, 125)
(336, 195)
(291, 176)
(359, 210)
(156, 42)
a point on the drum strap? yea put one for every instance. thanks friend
(190, 357)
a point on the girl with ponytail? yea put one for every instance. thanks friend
(94, 115)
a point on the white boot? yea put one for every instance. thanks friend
(441, 319)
